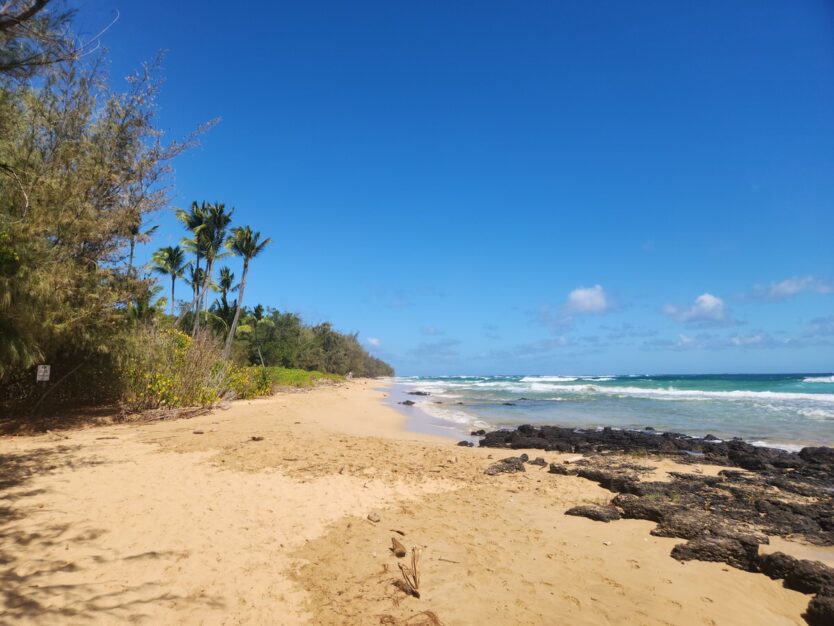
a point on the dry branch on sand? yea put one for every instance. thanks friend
(423, 618)
(411, 575)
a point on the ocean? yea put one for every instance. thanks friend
(782, 410)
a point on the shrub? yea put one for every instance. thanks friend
(167, 368)
(250, 382)
(290, 377)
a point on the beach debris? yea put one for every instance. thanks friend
(466, 444)
(407, 402)
(538, 461)
(374, 517)
(448, 560)
(606, 543)
(256, 438)
(199, 432)
(399, 532)
(423, 618)
(397, 548)
(411, 575)
(595, 512)
(510, 465)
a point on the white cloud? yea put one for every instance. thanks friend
(792, 286)
(586, 300)
(373, 341)
(706, 308)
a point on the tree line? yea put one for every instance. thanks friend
(83, 168)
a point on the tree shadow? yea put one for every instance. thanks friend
(36, 584)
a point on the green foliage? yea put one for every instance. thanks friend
(287, 377)
(282, 339)
(167, 368)
(81, 168)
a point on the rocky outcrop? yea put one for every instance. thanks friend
(595, 512)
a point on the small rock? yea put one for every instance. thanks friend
(478, 433)
(374, 517)
(397, 548)
(419, 393)
(538, 461)
(256, 438)
(407, 402)
(466, 444)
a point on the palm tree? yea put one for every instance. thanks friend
(170, 261)
(227, 279)
(211, 237)
(195, 221)
(245, 244)
(137, 235)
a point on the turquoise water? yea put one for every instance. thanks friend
(783, 410)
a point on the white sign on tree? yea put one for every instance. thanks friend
(43, 373)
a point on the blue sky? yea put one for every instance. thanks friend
(536, 187)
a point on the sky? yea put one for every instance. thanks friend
(502, 188)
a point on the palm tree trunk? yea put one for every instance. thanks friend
(196, 290)
(227, 348)
(173, 283)
(202, 295)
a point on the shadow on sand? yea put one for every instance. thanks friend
(36, 585)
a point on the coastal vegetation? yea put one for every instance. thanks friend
(83, 168)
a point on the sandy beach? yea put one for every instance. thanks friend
(257, 513)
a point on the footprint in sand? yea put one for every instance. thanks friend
(572, 600)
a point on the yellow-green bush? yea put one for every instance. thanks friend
(250, 382)
(166, 368)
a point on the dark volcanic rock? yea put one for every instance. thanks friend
(734, 452)
(538, 461)
(824, 456)
(595, 512)
(478, 433)
(719, 549)
(510, 465)
(407, 402)
(799, 574)
(558, 468)
(635, 507)
(724, 518)
(820, 611)
(466, 444)
(508, 404)
(419, 393)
